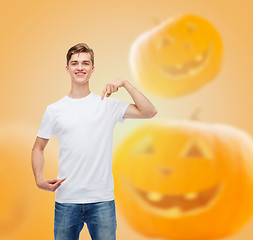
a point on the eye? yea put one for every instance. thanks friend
(191, 27)
(144, 146)
(164, 42)
(167, 41)
(197, 149)
(194, 151)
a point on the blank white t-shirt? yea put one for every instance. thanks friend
(84, 128)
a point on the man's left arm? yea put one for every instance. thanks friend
(142, 108)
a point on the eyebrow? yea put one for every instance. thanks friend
(83, 61)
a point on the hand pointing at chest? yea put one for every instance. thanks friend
(112, 87)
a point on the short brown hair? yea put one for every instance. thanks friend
(78, 48)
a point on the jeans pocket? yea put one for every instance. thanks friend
(61, 211)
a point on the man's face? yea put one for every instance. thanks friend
(80, 67)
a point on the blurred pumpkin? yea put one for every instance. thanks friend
(177, 57)
(185, 180)
(26, 212)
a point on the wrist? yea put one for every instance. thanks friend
(124, 83)
(39, 180)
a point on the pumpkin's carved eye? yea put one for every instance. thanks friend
(197, 149)
(167, 41)
(194, 151)
(191, 27)
(164, 42)
(144, 146)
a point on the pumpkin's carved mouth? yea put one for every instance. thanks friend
(189, 68)
(178, 205)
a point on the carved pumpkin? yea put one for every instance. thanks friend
(177, 57)
(185, 180)
(26, 211)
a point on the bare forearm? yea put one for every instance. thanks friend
(38, 170)
(142, 103)
(38, 164)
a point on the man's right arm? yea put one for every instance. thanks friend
(38, 167)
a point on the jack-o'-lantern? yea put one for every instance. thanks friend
(185, 180)
(26, 211)
(177, 57)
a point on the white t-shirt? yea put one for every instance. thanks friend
(84, 128)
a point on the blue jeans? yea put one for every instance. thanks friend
(100, 218)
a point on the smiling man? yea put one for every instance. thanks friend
(83, 123)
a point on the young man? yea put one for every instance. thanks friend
(83, 123)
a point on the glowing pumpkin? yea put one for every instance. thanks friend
(26, 211)
(185, 180)
(177, 57)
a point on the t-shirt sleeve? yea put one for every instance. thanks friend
(118, 108)
(46, 127)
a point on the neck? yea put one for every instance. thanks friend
(79, 91)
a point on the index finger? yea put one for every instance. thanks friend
(58, 184)
(52, 181)
(62, 180)
(103, 93)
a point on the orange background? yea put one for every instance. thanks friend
(35, 37)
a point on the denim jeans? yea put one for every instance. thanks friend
(100, 218)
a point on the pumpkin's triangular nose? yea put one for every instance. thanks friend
(164, 171)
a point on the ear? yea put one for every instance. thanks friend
(67, 68)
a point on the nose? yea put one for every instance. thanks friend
(79, 67)
(164, 171)
(188, 45)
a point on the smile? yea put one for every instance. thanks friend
(80, 74)
(177, 205)
(189, 68)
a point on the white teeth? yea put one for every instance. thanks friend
(174, 212)
(192, 71)
(199, 58)
(179, 66)
(154, 196)
(191, 195)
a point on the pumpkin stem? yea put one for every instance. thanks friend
(194, 115)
